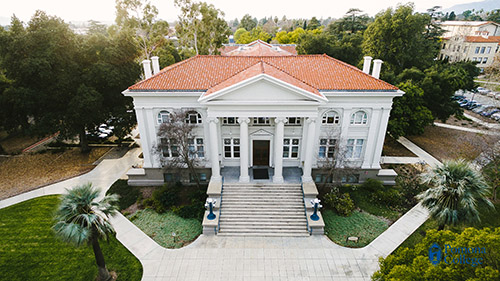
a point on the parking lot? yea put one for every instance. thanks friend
(485, 103)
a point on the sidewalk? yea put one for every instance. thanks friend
(484, 132)
(244, 258)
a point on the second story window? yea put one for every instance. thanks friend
(229, 121)
(477, 50)
(193, 117)
(292, 121)
(163, 117)
(330, 118)
(359, 118)
(260, 120)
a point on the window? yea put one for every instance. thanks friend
(474, 59)
(260, 120)
(231, 148)
(465, 49)
(193, 117)
(330, 118)
(350, 179)
(458, 48)
(196, 148)
(327, 148)
(488, 50)
(290, 148)
(202, 177)
(163, 116)
(483, 49)
(292, 121)
(359, 118)
(477, 50)
(444, 46)
(229, 121)
(320, 178)
(485, 59)
(171, 177)
(354, 148)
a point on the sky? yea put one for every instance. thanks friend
(104, 10)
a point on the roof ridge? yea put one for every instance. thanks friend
(231, 76)
(172, 66)
(278, 68)
(359, 70)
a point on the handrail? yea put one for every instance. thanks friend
(220, 205)
(305, 208)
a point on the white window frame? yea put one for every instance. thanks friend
(168, 148)
(293, 121)
(197, 146)
(327, 148)
(354, 148)
(330, 117)
(359, 117)
(260, 121)
(231, 121)
(197, 117)
(163, 117)
(233, 147)
(289, 145)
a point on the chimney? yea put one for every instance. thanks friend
(147, 68)
(377, 64)
(367, 64)
(156, 64)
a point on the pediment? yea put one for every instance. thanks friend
(261, 133)
(263, 89)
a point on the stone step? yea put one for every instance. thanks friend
(263, 184)
(280, 188)
(275, 215)
(224, 223)
(266, 234)
(268, 202)
(263, 210)
(262, 193)
(260, 228)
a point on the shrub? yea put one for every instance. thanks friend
(193, 211)
(381, 193)
(340, 202)
(165, 197)
(128, 194)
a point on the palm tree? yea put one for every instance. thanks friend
(455, 191)
(81, 218)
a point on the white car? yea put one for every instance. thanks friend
(495, 116)
(482, 91)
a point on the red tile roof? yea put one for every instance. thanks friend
(481, 39)
(262, 68)
(309, 72)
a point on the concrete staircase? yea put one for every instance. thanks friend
(262, 210)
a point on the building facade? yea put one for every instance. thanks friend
(483, 50)
(262, 106)
(470, 28)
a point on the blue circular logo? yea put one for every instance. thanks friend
(435, 254)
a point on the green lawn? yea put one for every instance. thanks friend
(361, 224)
(362, 200)
(160, 227)
(30, 251)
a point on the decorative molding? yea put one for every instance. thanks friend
(280, 120)
(213, 120)
(243, 120)
(311, 120)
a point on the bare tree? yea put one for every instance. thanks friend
(178, 147)
(489, 163)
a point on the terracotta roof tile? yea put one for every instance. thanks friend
(262, 68)
(319, 72)
(481, 39)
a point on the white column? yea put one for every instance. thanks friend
(371, 139)
(142, 123)
(244, 149)
(311, 133)
(214, 149)
(377, 152)
(278, 149)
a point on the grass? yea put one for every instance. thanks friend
(362, 200)
(394, 148)
(445, 144)
(25, 172)
(361, 224)
(128, 194)
(30, 251)
(160, 227)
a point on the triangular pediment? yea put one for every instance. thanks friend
(262, 83)
(261, 133)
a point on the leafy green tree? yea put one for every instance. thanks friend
(140, 18)
(291, 37)
(255, 34)
(413, 263)
(473, 15)
(201, 26)
(345, 47)
(494, 16)
(238, 33)
(247, 22)
(400, 38)
(313, 24)
(409, 115)
(81, 218)
(455, 191)
(353, 21)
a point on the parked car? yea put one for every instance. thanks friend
(488, 112)
(482, 90)
(495, 116)
(481, 108)
(457, 97)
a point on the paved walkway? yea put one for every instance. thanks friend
(466, 129)
(422, 154)
(479, 121)
(244, 258)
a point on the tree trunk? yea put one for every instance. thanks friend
(99, 258)
(84, 143)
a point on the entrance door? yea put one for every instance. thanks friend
(261, 152)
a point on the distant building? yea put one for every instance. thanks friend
(470, 28)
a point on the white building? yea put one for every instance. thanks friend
(263, 106)
(481, 49)
(470, 28)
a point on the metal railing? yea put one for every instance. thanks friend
(305, 208)
(220, 205)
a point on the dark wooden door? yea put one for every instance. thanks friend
(261, 152)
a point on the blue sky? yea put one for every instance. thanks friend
(103, 10)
